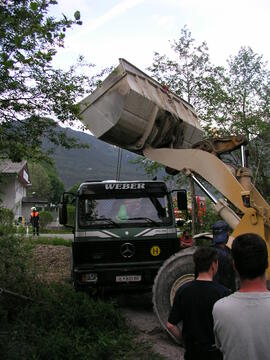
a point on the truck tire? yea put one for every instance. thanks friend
(175, 272)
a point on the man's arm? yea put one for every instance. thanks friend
(215, 329)
(174, 330)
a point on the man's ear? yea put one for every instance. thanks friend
(214, 266)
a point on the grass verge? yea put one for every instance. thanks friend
(51, 241)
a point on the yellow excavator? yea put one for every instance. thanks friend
(135, 112)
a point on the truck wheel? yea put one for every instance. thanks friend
(175, 272)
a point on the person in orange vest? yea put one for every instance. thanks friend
(34, 219)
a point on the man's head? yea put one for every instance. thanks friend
(33, 208)
(250, 256)
(220, 232)
(204, 257)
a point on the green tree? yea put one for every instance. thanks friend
(188, 72)
(244, 109)
(57, 186)
(41, 185)
(31, 89)
(74, 188)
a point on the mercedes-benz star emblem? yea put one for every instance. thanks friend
(127, 250)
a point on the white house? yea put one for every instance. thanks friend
(13, 184)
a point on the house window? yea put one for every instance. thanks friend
(25, 176)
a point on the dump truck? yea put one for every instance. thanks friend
(123, 232)
(133, 111)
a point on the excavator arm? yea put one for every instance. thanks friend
(254, 214)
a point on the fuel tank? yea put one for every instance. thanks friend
(133, 111)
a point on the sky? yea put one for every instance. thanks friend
(135, 29)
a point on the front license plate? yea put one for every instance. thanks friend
(128, 278)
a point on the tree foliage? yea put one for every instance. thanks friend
(186, 73)
(45, 181)
(245, 110)
(57, 185)
(41, 186)
(31, 89)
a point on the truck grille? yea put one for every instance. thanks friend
(111, 251)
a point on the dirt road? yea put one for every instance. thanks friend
(137, 308)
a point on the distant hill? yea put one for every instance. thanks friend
(99, 162)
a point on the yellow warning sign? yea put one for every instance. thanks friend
(155, 250)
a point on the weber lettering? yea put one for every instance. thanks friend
(125, 186)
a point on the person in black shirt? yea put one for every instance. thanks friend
(193, 305)
(226, 273)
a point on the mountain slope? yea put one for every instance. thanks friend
(99, 162)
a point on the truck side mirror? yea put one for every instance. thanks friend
(66, 198)
(62, 214)
(182, 199)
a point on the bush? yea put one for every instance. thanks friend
(59, 323)
(45, 217)
(6, 221)
(15, 271)
(67, 325)
(21, 230)
(6, 216)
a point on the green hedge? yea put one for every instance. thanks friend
(45, 217)
(6, 221)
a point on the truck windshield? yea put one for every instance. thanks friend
(144, 211)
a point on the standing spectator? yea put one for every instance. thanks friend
(193, 304)
(34, 219)
(225, 274)
(186, 239)
(242, 320)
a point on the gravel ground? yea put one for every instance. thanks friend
(54, 265)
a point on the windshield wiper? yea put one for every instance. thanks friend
(145, 218)
(109, 220)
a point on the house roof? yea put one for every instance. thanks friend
(33, 200)
(9, 167)
(19, 169)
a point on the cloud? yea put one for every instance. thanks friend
(116, 10)
(164, 21)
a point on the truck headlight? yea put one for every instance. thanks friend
(90, 278)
